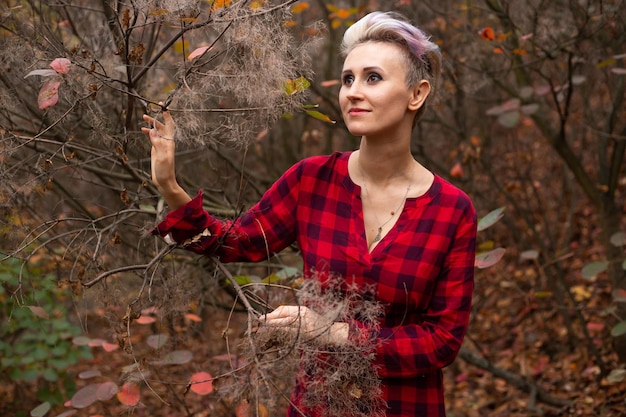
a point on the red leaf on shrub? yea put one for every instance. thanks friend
(107, 390)
(110, 347)
(48, 95)
(201, 383)
(146, 319)
(243, 410)
(129, 394)
(595, 327)
(487, 33)
(149, 310)
(198, 52)
(85, 396)
(61, 65)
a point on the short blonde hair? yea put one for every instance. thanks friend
(423, 57)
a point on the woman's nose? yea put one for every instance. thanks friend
(353, 93)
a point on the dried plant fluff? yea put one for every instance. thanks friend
(340, 380)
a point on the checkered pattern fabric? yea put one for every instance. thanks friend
(422, 270)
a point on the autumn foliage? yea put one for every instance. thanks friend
(529, 122)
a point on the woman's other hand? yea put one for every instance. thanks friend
(307, 323)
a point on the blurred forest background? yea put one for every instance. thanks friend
(97, 317)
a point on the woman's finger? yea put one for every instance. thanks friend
(283, 312)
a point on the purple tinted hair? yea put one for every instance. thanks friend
(423, 56)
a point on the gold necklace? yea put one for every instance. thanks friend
(379, 233)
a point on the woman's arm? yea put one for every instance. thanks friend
(162, 158)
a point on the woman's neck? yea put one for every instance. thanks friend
(385, 162)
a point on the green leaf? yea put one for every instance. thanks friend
(85, 396)
(41, 410)
(177, 357)
(81, 340)
(487, 259)
(298, 85)
(529, 255)
(157, 341)
(148, 208)
(616, 376)
(288, 272)
(242, 279)
(509, 119)
(591, 270)
(30, 375)
(320, 116)
(271, 279)
(50, 375)
(619, 329)
(490, 218)
(619, 295)
(618, 239)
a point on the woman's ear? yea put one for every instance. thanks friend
(419, 94)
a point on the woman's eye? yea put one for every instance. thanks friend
(348, 79)
(374, 77)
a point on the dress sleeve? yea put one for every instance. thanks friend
(266, 228)
(415, 349)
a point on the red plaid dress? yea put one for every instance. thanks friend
(422, 270)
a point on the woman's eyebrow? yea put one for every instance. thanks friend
(366, 69)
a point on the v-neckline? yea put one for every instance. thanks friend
(359, 218)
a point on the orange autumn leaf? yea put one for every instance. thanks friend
(498, 51)
(129, 394)
(475, 140)
(299, 8)
(456, 171)
(193, 317)
(487, 33)
(220, 4)
(343, 14)
(519, 51)
(329, 83)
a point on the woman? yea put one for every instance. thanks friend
(374, 216)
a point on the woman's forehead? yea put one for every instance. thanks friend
(386, 55)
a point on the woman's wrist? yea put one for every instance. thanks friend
(174, 195)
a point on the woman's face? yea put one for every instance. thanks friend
(374, 97)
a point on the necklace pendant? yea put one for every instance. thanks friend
(378, 235)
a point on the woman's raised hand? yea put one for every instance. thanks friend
(162, 157)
